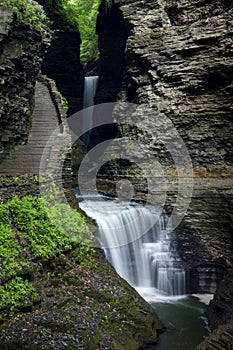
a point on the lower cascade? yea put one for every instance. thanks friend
(137, 243)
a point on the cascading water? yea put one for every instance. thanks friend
(147, 260)
(149, 263)
(90, 87)
(137, 243)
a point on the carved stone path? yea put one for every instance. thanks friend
(26, 158)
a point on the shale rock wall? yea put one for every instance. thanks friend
(62, 64)
(62, 61)
(21, 55)
(178, 61)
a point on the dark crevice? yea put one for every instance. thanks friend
(113, 32)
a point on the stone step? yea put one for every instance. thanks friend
(26, 158)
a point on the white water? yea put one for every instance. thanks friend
(148, 261)
(90, 86)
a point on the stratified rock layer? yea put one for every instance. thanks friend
(178, 61)
(22, 51)
(62, 61)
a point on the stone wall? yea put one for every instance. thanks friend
(62, 64)
(21, 55)
(113, 32)
(62, 61)
(18, 186)
(178, 61)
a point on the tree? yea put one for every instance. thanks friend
(83, 14)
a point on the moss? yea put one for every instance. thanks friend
(27, 235)
(29, 14)
(13, 294)
(63, 288)
(9, 252)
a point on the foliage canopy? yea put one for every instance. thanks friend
(80, 13)
(83, 14)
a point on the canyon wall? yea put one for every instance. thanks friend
(178, 61)
(62, 61)
(22, 49)
(62, 64)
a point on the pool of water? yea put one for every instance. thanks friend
(185, 322)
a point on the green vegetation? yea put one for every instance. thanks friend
(28, 239)
(10, 250)
(64, 102)
(28, 14)
(80, 14)
(17, 181)
(13, 294)
(83, 14)
(29, 217)
(76, 15)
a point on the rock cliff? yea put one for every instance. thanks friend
(62, 61)
(94, 311)
(21, 54)
(178, 60)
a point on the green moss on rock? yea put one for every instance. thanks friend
(63, 295)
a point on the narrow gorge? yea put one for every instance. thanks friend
(159, 141)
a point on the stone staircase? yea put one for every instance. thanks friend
(26, 158)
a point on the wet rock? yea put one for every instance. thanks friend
(81, 306)
(22, 52)
(178, 61)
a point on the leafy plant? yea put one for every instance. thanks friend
(43, 236)
(10, 250)
(30, 218)
(13, 293)
(64, 102)
(69, 221)
(83, 14)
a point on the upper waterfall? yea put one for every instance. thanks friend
(90, 87)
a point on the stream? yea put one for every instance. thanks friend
(135, 241)
(184, 319)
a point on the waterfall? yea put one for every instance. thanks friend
(148, 260)
(90, 86)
